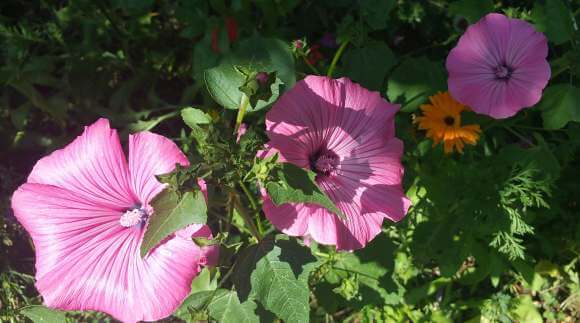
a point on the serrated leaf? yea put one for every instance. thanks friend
(560, 105)
(42, 314)
(202, 287)
(172, 213)
(193, 117)
(225, 307)
(369, 65)
(268, 55)
(293, 184)
(275, 272)
(414, 81)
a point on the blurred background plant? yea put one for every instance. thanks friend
(493, 234)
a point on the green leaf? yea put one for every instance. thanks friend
(376, 12)
(554, 19)
(225, 307)
(202, 288)
(369, 65)
(297, 185)
(560, 105)
(472, 10)
(413, 296)
(146, 125)
(268, 55)
(275, 272)
(530, 276)
(171, 214)
(193, 117)
(203, 58)
(414, 81)
(525, 310)
(41, 314)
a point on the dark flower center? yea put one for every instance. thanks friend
(324, 162)
(449, 120)
(503, 72)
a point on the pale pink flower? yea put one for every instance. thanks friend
(241, 131)
(499, 66)
(345, 134)
(86, 209)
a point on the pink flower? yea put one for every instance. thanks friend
(345, 134)
(499, 66)
(241, 131)
(86, 209)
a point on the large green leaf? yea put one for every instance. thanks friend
(414, 81)
(171, 214)
(225, 307)
(275, 273)
(553, 18)
(472, 10)
(258, 54)
(560, 105)
(41, 314)
(369, 65)
(292, 184)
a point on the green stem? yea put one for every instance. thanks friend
(312, 68)
(249, 223)
(241, 112)
(254, 205)
(337, 57)
(515, 133)
(249, 195)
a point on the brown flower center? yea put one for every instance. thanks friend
(449, 120)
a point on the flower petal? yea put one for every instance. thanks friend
(87, 261)
(290, 218)
(495, 41)
(354, 233)
(93, 165)
(149, 155)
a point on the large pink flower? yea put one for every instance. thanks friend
(86, 209)
(346, 135)
(499, 66)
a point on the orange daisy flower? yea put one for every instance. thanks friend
(442, 121)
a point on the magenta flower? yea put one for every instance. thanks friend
(345, 134)
(86, 209)
(499, 66)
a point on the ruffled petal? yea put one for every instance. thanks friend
(149, 155)
(87, 261)
(93, 166)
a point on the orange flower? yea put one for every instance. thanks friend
(442, 121)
